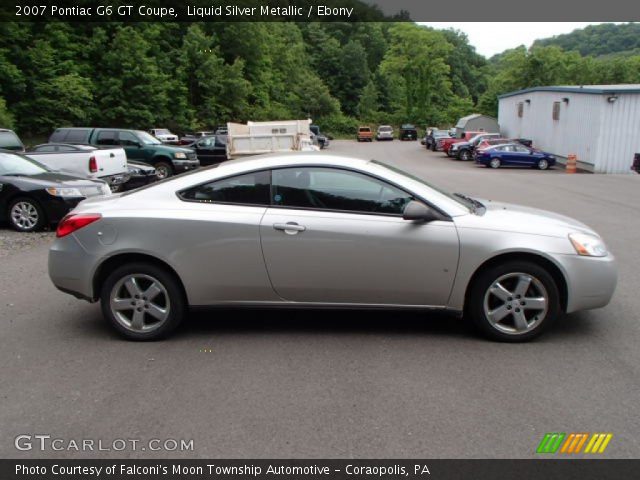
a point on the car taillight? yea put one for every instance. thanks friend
(93, 165)
(73, 222)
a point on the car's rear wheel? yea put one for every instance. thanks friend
(495, 163)
(163, 170)
(514, 301)
(26, 215)
(142, 301)
(543, 164)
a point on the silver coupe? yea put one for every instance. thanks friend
(314, 230)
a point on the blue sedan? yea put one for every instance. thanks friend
(515, 154)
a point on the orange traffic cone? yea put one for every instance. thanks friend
(572, 162)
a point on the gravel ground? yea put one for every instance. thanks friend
(12, 242)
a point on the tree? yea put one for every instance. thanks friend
(133, 92)
(368, 106)
(6, 119)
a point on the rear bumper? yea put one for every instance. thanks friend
(71, 268)
(116, 180)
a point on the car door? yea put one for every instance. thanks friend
(208, 151)
(337, 236)
(132, 146)
(220, 256)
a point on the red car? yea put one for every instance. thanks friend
(445, 143)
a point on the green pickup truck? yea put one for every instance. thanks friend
(139, 145)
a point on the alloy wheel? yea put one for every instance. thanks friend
(543, 164)
(24, 215)
(495, 163)
(516, 303)
(140, 303)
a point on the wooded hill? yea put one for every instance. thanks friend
(195, 76)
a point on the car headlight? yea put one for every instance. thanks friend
(64, 192)
(588, 245)
(180, 155)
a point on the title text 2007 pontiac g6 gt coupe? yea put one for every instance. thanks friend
(314, 230)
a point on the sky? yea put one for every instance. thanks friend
(490, 38)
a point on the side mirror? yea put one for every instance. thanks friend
(419, 212)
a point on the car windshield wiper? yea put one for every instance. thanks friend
(474, 203)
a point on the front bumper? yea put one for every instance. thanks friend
(57, 207)
(185, 165)
(591, 281)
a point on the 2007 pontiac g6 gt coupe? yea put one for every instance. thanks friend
(312, 230)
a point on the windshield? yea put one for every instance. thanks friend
(162, 131)
(460, 200)
(385, 129)
(10, 141)
(147, 139)
(11, 164)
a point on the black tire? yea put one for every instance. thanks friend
(175, 301)
(33, 218)
(465, 155)
(478, 295)
(542, 164)
(164, 169)
(434, 148)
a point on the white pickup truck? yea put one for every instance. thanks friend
(108, 164)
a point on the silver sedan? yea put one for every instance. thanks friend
(311, 230)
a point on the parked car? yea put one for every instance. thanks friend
(210, 150)
(10, 141)
(364, 134)
(164, 135)
(189, 138)
(33, 196)
(321, 139)
(140, 174)
(464, 150)
(385, 132)
(408, 132)
(489, 142)
(87, 161)
(515, 154)
(138, 145)
(433, 137)
(312, 230)
(445, 144)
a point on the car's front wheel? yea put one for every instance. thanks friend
(26, 215)
(514, 301)
(163, 170)
(465, 155)
(543, 164)
(142, 301)
(495, 163)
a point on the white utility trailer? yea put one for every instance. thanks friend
(254, 138)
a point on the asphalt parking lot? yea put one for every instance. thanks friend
(300, 384)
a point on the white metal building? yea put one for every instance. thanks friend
(598, 123)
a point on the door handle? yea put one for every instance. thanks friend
(290, 228)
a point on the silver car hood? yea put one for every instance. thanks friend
(518, 218)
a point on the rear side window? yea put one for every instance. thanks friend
(249, 189)
(46, 148)
(10, 140)
(106, 137)
(66, 135)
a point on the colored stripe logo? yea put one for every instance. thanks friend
(572, 443)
